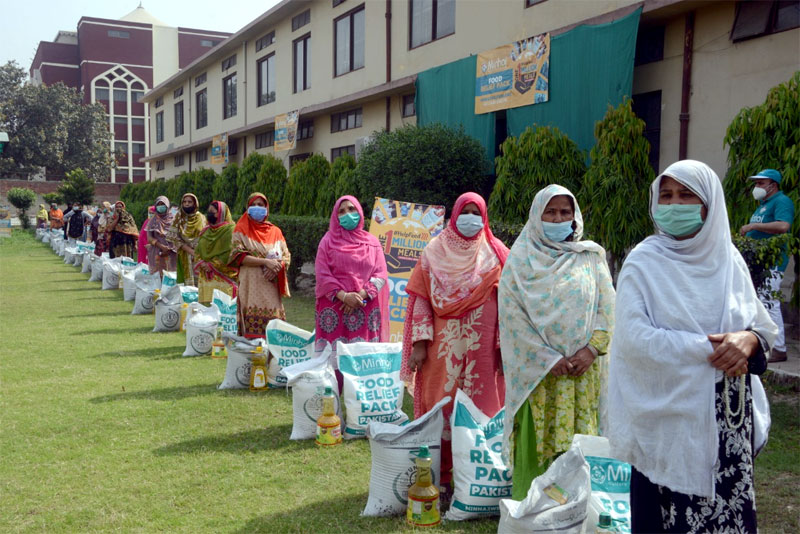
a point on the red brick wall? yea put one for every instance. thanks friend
(102, 191)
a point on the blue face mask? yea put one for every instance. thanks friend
(469, 224)
(161, 208)
(349, 220)
(257, 213)
(557, 232)
(678, 220)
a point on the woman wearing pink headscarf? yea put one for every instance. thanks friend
(141, 253)
(450, 340)
(352, 293)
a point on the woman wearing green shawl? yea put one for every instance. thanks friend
(184, 233)
(212, 252)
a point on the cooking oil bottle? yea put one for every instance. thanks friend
(423, 495)
(258, 370)
(218, 349)
(329, 426)
(184, 313)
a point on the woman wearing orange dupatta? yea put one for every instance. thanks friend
(260, 253)
(451, 332)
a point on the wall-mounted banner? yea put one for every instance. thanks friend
(219, 149)
(513, 75)
(286, 130)
(403, 228)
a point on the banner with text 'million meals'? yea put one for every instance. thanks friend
(403, 228)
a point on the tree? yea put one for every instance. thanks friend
(766, 136)
(246, 181)
(305, 179)
(203, 186)
(433, 164)
(53, 198)
(77, 187)
(49, 126)
(225, 185)
(615, 196)
(271, 180)
(328, 191)
(540, 156)
(22, 198)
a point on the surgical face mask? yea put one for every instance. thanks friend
(76, 208)
(557, 232)
(349, 220)
(759, 193)
(257, 213)
(161, 208)
(189, 210)
(469, 224)
(678, 220)
(211, 218)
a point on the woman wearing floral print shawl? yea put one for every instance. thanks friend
(556, 305)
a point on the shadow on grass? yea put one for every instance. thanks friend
(164, 394)
(337, 514)
(119, 330)
(140, 353)
(248, 441)
(99, 314)
(88, 288)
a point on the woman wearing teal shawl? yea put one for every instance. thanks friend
(212, 252)
(556, 303)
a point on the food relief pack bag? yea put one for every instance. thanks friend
(239, 362)
(144, 299)
(227, 311)
(111, 273)
(611, 483)
(168, 310)
(393, 467)
(201, 327)
(373, 391)
(169, 279)
(308, 380)
(288, 345)
(190, 294)
(481, 478)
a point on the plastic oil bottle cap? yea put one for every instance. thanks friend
(259, 349)
(328, 391)
(424, 452)
(605, 520)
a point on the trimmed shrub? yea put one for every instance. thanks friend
(271, 180)
(22, 198)
(302, 235)
(77, 187)
(202, 186)
(225, 185)
(538, 157)
(328, 192)
(305, 179)
(50, 198)
(246, 180)
(433, 164)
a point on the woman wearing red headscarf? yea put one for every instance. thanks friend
(260, 253)
(352, 291)
(450, 340)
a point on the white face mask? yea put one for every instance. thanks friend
(469, 224)
(759, 193)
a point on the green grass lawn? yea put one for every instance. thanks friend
(105, 427)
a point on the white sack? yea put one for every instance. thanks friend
(239, 362)
(308, 380)
(288, 345)
(201, 327)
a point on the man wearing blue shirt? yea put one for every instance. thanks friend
(774, 216)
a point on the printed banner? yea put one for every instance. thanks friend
(219, 149)
(286, 130)
(403, 228)
(513, 75)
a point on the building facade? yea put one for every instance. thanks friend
(114, 62)
(350, 68)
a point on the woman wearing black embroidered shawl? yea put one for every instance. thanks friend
(684, 407)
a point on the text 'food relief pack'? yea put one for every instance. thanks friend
(481, 478)
(611, 482)
(373, 391)
(288, 345)
(227, 311)
(393, 468)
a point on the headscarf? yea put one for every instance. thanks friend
(259, 239)
(105, 218)
(552, 296)
(123, 221)
(187, 227)
(161, 222)
(347, 259)
(42, 213)
(215, 239)
(671, 294)
(460, 273)
(56, 214)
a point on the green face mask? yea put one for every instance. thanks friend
(678, 220)
(349, 220)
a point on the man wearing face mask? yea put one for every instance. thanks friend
(75, 222)
(774, 216)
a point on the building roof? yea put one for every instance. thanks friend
(141, 15)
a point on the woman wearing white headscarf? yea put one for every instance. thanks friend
(690, 331)
(556, 314)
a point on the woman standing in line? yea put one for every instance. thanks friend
(212, 253)
(556, 319)
(123, 232)
(183, 234)
(141, 252)
(691, 335)
(260, 253)
(450, 335)
(160, 253)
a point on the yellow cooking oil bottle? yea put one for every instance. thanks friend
(423, 495)
(218, 348)
(329, 426)
(184, 313)
(156, 294)
(258, 370)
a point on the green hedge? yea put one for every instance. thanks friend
(302, 235)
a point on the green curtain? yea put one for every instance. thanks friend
(446, 94)
(590, 68)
